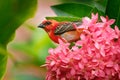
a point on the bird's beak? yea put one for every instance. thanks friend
(41, 26)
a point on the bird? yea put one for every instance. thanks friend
(66, 31)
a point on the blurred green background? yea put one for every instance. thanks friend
(29, 48)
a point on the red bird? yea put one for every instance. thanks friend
(66, 31)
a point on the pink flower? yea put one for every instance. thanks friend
(96, 56)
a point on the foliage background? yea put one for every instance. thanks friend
(29, 45)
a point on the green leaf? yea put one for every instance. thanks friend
(3, 61)
(99, 4)
(113, 10)
(73, 9)
(95, 10)
(63, 18)
(13, 14)
(77, 1)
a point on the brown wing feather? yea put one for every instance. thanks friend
(65, 27)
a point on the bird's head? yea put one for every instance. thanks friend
(48, 25)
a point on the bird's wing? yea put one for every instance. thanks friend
(65, 27)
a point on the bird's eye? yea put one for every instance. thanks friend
(47, 23)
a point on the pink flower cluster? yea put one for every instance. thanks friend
(96, 56)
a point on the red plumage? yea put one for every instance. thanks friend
(66, 31)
